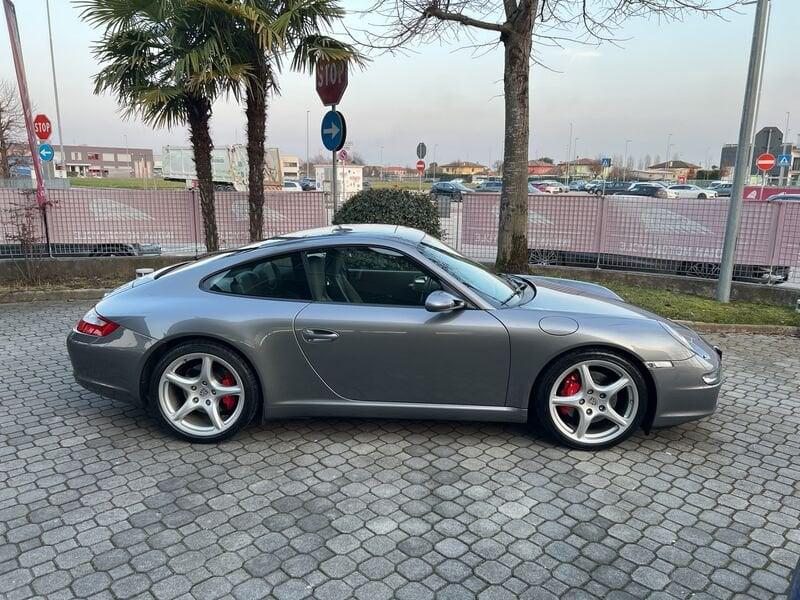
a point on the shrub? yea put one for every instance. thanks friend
(390, 207)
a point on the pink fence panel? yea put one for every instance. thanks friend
(787, 238)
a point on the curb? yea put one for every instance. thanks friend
(52, 295)
(97, 293)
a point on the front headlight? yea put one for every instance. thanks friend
(689, 343)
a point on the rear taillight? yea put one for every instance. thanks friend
(94, 324)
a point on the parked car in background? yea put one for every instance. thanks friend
(590, 186)
(609, 188)
(551, 186)
(723, 189)
(449, 189)
(685, 190)
(308, 184)
(292, 186)
(490, 186)
(783, 197)
(577, 186)
(650, 188)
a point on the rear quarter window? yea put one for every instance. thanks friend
(279, 277)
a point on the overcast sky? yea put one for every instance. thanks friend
(686, 79)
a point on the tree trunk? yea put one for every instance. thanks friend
(5, 170)
(199, 113)
(512, 238)
(256, 111)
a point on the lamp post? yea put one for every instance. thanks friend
(625, 162)
(669, 145)
(435, 148)
(55, 92)
(308, 114)
(569, 153)
(575, 156)
(381, 163)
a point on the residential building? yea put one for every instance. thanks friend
(542, 167)
(675, 169)
(462, 167)
(290, 165)
(105, 161)
(581, 168)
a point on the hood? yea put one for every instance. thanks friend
(567, 295)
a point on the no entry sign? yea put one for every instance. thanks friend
(42, 127)
(420, 166)
(766, 162)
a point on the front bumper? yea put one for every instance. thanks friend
(683, 393)
(110, 366)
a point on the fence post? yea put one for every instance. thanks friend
(600, 230)
(194, 219)
(778, 217)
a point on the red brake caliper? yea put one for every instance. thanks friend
(569, 387)
(229, 401)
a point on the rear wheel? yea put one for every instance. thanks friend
(204, 392)
(591, 399)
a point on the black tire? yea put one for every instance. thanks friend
(548, 379)
(250, 386)
(702, 196)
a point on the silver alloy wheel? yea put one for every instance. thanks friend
(602, 409)
(195, 399)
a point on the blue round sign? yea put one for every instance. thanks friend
(333, 130)
(46, 152)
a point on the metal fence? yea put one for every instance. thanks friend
(114, 222)
(682, 236)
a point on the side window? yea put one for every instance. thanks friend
(367, 275)
(280, 277)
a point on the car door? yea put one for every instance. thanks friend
(369, 337)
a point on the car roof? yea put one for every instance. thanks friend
(355, 232)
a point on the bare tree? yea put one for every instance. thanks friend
(12, 124)
(512, 23)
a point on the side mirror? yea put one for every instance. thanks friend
(441, 302)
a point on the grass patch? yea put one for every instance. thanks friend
(127, 183)
(689, 307)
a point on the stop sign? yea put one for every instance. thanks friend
(420, 166)
(765, 162)
(42, 127)
(331, 81)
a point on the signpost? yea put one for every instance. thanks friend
(46, 152)
(784, 160)
(343, 155)
(605, 162)
(422, 150)
(420, 171)
(42, 127)
(331, 82)
(765, 162)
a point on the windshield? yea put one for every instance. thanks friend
(473, 275)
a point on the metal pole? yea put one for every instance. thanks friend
(575, 150)
(625, 162)
(786, 150)
(666, 158)
(381, 163)
(333, 175)
(435, 147)
(744, 148)
(308, 112)
(55, 92)
(569, 153)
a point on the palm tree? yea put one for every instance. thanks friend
(261, 35)
(163, 62)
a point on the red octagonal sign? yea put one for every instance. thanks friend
(331, 80)
(766, 162)
(42, 127)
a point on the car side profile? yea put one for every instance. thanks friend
(388, 322)
(685, 190)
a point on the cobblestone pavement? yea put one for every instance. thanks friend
(97, 501)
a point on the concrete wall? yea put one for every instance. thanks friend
(62, 270)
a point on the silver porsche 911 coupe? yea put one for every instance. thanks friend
(385, 321)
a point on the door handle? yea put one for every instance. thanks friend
(319, 335)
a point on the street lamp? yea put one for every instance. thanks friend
(669, 145)
(435, 148)
(308, 114)
(381, 163)
(625, 161)
(575, 150)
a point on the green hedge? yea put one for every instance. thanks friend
(391, 207)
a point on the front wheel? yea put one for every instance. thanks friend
(204, 392)
(702, 196)
(591, 399)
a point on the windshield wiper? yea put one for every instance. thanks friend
(518, 287)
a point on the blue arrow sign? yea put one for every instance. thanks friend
(333, 130)
(46, 152)
(784, 160)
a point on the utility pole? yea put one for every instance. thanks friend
(744, 149)
(55, 92)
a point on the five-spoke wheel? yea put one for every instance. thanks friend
(591, 399)
(204, 391)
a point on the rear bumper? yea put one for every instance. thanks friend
(682, 394)
(109, 366)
